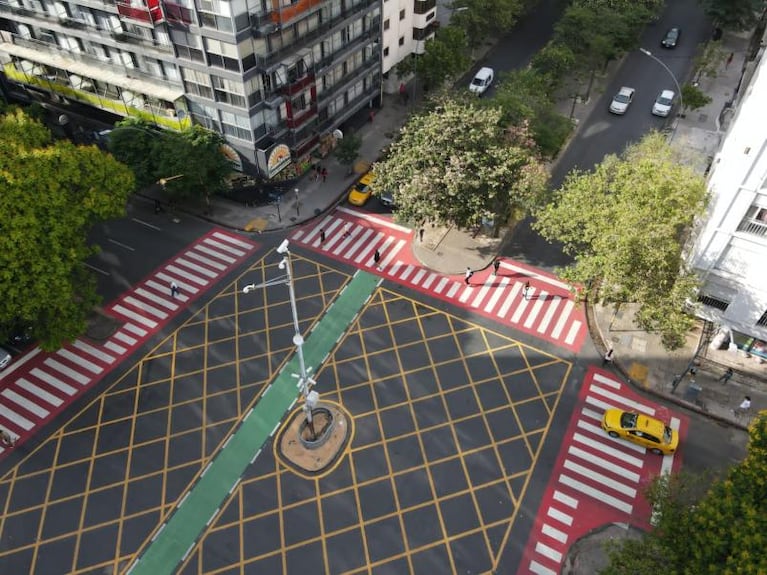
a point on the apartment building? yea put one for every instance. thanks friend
(730, 250)
(407, 24)
(273, 76)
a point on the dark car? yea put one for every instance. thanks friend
(387, 199)
(671, 39)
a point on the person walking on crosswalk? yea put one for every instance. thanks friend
(467, 278)
(496, 265)
(322, 235)
(347, 229)
(526, 290)
(173, 289)
(6, 438)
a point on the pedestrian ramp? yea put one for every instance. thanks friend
(597, 479)
(39, 385)
(546, 309)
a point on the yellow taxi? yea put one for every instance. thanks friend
(641, 429)
(360, 192)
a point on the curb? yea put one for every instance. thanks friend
(599, 343)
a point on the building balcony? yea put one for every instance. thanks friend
(301, 118)
(298, 85)
(148, 12)
(753, 227)
(281, 15)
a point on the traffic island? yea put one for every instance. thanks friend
(315, 448)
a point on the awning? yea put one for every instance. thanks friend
(92, 71)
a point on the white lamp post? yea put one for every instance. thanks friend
(305, 382)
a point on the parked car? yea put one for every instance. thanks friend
(5, 358)
(360, 192)
(671, 39)
(664, 103)
(387, 199)
(622, 100)
(482, 81)
(641, 429)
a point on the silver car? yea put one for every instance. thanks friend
(622, 100)
(663, 103)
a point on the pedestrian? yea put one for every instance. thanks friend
(372, 116)
(157, 207)
(693, 372)
(322, 235)
(526, 289)
(377, 257)
(173, 289)
(347, 229)
(608, 358)
(744, 406)
(420, 235)
(727, 376)
(316, 175)
(6, 438)
(496, 265)
(467, 278)
(324, 174)
(403, 92)
(729, 60)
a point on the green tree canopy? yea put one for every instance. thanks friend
(523, 97)
(443, 58)
(724, 532)
(51, 196)
(482, 18)
(693, 97)
(194, 154)
(733, 14)
(457, 164)
(624, 223)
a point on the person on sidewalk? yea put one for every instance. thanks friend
(324, 173)
(608, 358)
(420, 234)
(467, 276)
(744, 406)
(496, 265)
(729, 60)
(726, 376)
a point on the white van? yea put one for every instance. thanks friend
(482, 81)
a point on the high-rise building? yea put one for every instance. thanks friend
(729, 252)
(272, 76)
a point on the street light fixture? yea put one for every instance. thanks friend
(670, 73)
(305, 382)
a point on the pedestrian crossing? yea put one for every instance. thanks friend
(38, 385)
(597, 480)
(546, 309)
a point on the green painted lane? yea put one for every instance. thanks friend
(197, 508)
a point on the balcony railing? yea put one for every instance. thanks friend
(49, 48)
(753, 227)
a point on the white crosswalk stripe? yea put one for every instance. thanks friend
(49, 382)
(547, 309)
(596, 470)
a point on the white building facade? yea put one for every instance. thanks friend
(730, 251)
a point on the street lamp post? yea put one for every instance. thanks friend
(305, 382)
(670, 73)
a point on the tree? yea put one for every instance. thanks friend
(552, 64)
(624, 224)
(693, 98)
(709, 62)
(457, 164)
(444, 57)
(137, 144)
(524, 97)
(723, 531)
(482, 18)
(733, 14)
(193, 163)
(348, 150)
(52, 194)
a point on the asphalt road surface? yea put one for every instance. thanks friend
(603, 133)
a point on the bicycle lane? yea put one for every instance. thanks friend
(173, 540)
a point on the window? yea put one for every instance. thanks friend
(401, 40)
(402, 14)
(386, 24)
(762, 320)
(386, 51)
(714, 302)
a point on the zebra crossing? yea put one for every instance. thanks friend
(546, 309)
(597, 479)
(38, 385)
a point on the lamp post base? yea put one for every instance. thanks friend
(314, 451)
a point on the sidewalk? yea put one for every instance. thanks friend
(639, 356)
